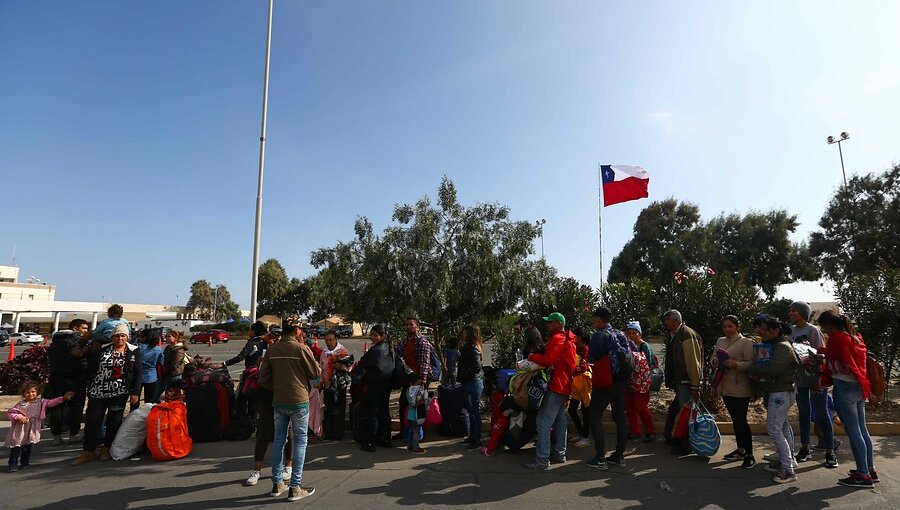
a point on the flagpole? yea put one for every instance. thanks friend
(600, 218)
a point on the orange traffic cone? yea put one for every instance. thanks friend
(12, 351)
(365, 347)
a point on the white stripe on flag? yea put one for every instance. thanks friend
(623, 172)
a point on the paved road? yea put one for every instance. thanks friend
(447, 476)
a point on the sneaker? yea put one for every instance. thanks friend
(84, 458)
(385, 444)
(857, 480)
(615, 460)
(536, 466)
(598, 463)
(649, 438)
(749, 462)
(13, 469)
(369, 448)
(803, 455)
(487, 453)
(872, 474)
(830, 461)
(473, 446)
(56, 441)
(633, 437)
(584, 442)
(74, 439)
(837, 444)
(278, 489)
(557, 459)
(735, 455)
(417, 451)
(785, 476)
(770, 457)
(773, 467)
(286, 474)
(298, 493)
(252, 480)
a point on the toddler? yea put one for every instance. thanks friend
(26, 419)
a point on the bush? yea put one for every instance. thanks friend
(873, 302)
(33, 364)
(635, 300)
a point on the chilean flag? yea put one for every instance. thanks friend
(622, 183)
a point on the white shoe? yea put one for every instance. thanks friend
(252, 480)
(286, 474)
(583, 443)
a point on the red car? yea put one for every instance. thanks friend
(216, 335)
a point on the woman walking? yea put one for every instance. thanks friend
(735, 387)
(845, 356)
(471, 375)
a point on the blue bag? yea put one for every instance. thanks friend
(703, 434)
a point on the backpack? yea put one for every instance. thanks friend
(875, 374)
(640, 377)
(620, 356)
(537, 388)
(167, 432)
(437, 368)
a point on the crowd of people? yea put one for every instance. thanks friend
(301, 388)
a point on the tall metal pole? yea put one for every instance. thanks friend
(841, 152)
(600, 218)
(262, 164)
(215, 303)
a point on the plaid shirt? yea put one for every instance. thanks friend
(423, 355)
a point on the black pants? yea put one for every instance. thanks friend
(67, 415)
(151, 392)
(18, 453)
(582, 423)
(614, 397)
(403, 405)
(737, 409)
(98, 409)
(377, 414)
(335, 419)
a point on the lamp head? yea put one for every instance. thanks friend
(830, 139)
(845, 135)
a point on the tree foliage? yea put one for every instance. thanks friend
(211, 304)
(548, 293)
(280, 295)
(860, 230)
(873, 301)
(446, 263)
(635, 300)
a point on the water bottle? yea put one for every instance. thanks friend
(519, 355)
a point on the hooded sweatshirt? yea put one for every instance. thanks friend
(560, 355)
(846, 359)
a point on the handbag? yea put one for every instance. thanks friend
(682, 420)
(703, 433)
(657, 376)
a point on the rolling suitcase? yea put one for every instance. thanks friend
(204, 412)
(454, 417)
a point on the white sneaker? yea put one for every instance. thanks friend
(286, 474)
(252, 480)
(583, 443)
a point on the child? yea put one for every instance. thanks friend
(415, 418)
(26, 419)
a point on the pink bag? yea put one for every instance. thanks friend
(316, 411)
(433, 415)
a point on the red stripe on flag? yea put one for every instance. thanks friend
(627, 189)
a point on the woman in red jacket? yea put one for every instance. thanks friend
(845, 355)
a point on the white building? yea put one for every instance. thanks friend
(33, 307)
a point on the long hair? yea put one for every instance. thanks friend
(534, 342)
(840, 321)
(471, 336)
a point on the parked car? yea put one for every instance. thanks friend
(4, 338)
(216, 335)
(26, 338)
(343, 331)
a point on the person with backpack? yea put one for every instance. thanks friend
(471, 375)
(112, 379)
(376, 367)
(684, 371)
(610, 353)
(807, 341)
(560, 356)
(775, 379)
(846, 359)
(637, 398)
(735, 387)
(287, 370)
(67, 365)
(417, 352)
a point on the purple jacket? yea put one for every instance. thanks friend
(16, 415)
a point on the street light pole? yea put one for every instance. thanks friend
(832, 140)
(262, 163)
(215, 302)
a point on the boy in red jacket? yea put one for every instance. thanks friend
(560, 355)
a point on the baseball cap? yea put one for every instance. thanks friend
(555, 317)
(760, 318)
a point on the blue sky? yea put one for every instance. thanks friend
(129, 130)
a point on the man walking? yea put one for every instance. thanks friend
(560, 355)
(608, 342)
(287, 370)
(684, 369)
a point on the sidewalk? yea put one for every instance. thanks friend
(448, 476)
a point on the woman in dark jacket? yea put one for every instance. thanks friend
(471, 375)
(113, 378)
(174, 359)
(377, 365)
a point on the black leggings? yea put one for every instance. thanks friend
(98, 409)
(737, 409)
(583, 423)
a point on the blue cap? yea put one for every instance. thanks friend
(635, 325)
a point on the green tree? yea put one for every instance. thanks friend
(212, 303)
(548, 293)
(860, 230)
(443, 262)
(873, 301)
(273, 284)
(633, 300)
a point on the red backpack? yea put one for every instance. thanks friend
(640, 377)
(167, 431)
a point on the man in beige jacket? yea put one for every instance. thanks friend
(684, 369)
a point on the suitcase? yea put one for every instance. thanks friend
(334, 419)
(454, 417)
(167, 434)
(205, 414)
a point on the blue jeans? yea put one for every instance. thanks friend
(807, 400)
(552, 414)
(851, 409)
(298, 421)
(472, 402)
